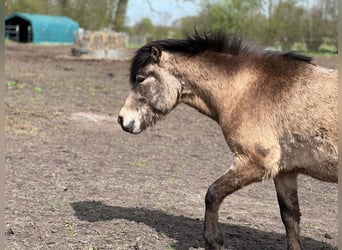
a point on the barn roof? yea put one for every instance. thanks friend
(48, 29)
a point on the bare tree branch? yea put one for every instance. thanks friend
(152, 8)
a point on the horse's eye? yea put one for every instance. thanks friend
(139, 78)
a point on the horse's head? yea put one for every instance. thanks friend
(154, 90)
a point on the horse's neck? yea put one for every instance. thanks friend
(209, 88)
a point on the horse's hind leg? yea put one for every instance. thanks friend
(240, 174)
(286, 186)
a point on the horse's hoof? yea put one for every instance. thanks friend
(214, 247)
(214, 241)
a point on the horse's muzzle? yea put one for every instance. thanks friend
(129, 127)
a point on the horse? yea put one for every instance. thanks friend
(277, 111)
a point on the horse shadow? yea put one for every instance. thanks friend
(187, 231)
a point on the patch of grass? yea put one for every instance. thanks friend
(21, 121)
(15, 86)
(37, 89)
(19, 126)
(139, 164)
(207, 124)
(164, 147)
(306, 225)
(123, 230)
(71, 230)
(11, 84)
(91, 90)
(69, 87)
(53, 205)
(150, 188)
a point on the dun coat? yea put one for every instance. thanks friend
(277, 111)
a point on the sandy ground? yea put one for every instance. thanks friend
(74, 180)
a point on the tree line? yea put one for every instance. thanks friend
(302, 25)
(90, 14)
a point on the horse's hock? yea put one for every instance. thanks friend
(100, 45)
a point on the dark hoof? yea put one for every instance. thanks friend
(214, 241)
(214, 248)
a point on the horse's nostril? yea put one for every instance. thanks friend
(120, 120)
(128, 127)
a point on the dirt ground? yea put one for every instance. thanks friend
(74, 180)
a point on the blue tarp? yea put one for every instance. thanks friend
(46, 28)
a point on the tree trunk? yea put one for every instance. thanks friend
(120, 14)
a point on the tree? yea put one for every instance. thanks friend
(30, 6)
(187, 24)
(287, 23)
(321, 23)
(89, 14)
(234, 17)
(144, 27)
(120, 14)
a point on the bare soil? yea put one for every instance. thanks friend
(74, 180)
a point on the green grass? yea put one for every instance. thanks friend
(133, 46)
(70, 228)
(37, 89)
(329, 55)
(19, 125)
(139, 164)
(53, 205)
(16, 85)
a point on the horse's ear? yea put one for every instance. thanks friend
(155, 53)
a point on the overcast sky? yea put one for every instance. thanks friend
(163, 12)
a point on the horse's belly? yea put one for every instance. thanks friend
(318, 161)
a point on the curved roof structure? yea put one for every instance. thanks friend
(44, 28)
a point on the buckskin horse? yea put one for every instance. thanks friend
(277, 111)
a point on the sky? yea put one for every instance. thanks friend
(163, 12)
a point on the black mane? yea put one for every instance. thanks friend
(197, 43)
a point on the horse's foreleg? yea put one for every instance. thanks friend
(286, 186)
(240, 174)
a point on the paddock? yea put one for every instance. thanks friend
(74, 180)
